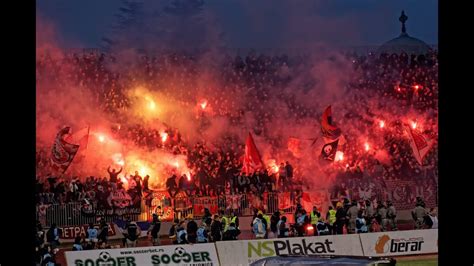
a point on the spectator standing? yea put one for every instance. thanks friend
(91, 235)
(191, 229)
(331, 218)
(273, 224)
(258, 227)
(216, 227)
(382, 216)
(301, 221)
(145, 183)
(314, 215)
(340, 218)
(207, 217)
(154, 230)
(39, 235)
(391, 216)
(322, 226)
(369, 213)
(282, 182)
(352, 213)
(103, 234)
(171, 186)
(202, 233)
(132, 234)
(418, 214)
(113, 175)
(231, 233)
(181, 234)
(289, 173)
(172, 234)
(434, 219)
(53, 235)
(361, 225)
(282, 227)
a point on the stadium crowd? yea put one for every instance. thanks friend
(402, 79)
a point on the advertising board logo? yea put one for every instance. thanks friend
(386, 244)
(295, 247)
(105, 259)
(380, 246)
(181, 256)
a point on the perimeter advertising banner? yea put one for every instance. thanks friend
(187, 255)
(245, 252)
(399, 243)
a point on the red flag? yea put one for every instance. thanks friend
(419, 144)
(252, 160)
(328, 128)
(62, 152)
(81, 138)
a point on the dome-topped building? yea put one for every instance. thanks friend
(404, 43)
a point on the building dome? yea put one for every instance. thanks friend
(404, 43)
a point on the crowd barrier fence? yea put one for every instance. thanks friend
(68, 214)
(244, 252)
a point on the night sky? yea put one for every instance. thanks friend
(266, 23)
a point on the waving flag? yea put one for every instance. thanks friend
(62, 152)
(419, 144)
(80, 138)
(252, 160)
(328, 152)
(329, 130)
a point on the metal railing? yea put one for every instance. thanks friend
(69, 214)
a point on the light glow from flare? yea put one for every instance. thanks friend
(101, 138)
(339, 156)
(118, 159)
(203, 104)
(151, 103)
(273, 167)
(382, 124)
(366, 146)
(164, 136)
(176, 164)
(413, 124)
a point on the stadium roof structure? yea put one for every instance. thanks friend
(404, 42)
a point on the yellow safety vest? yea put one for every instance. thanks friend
(267, 218)
(332, 217)
(225, 220)
(314, 218)
(233, 221)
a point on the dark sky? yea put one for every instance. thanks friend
(265, 23)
